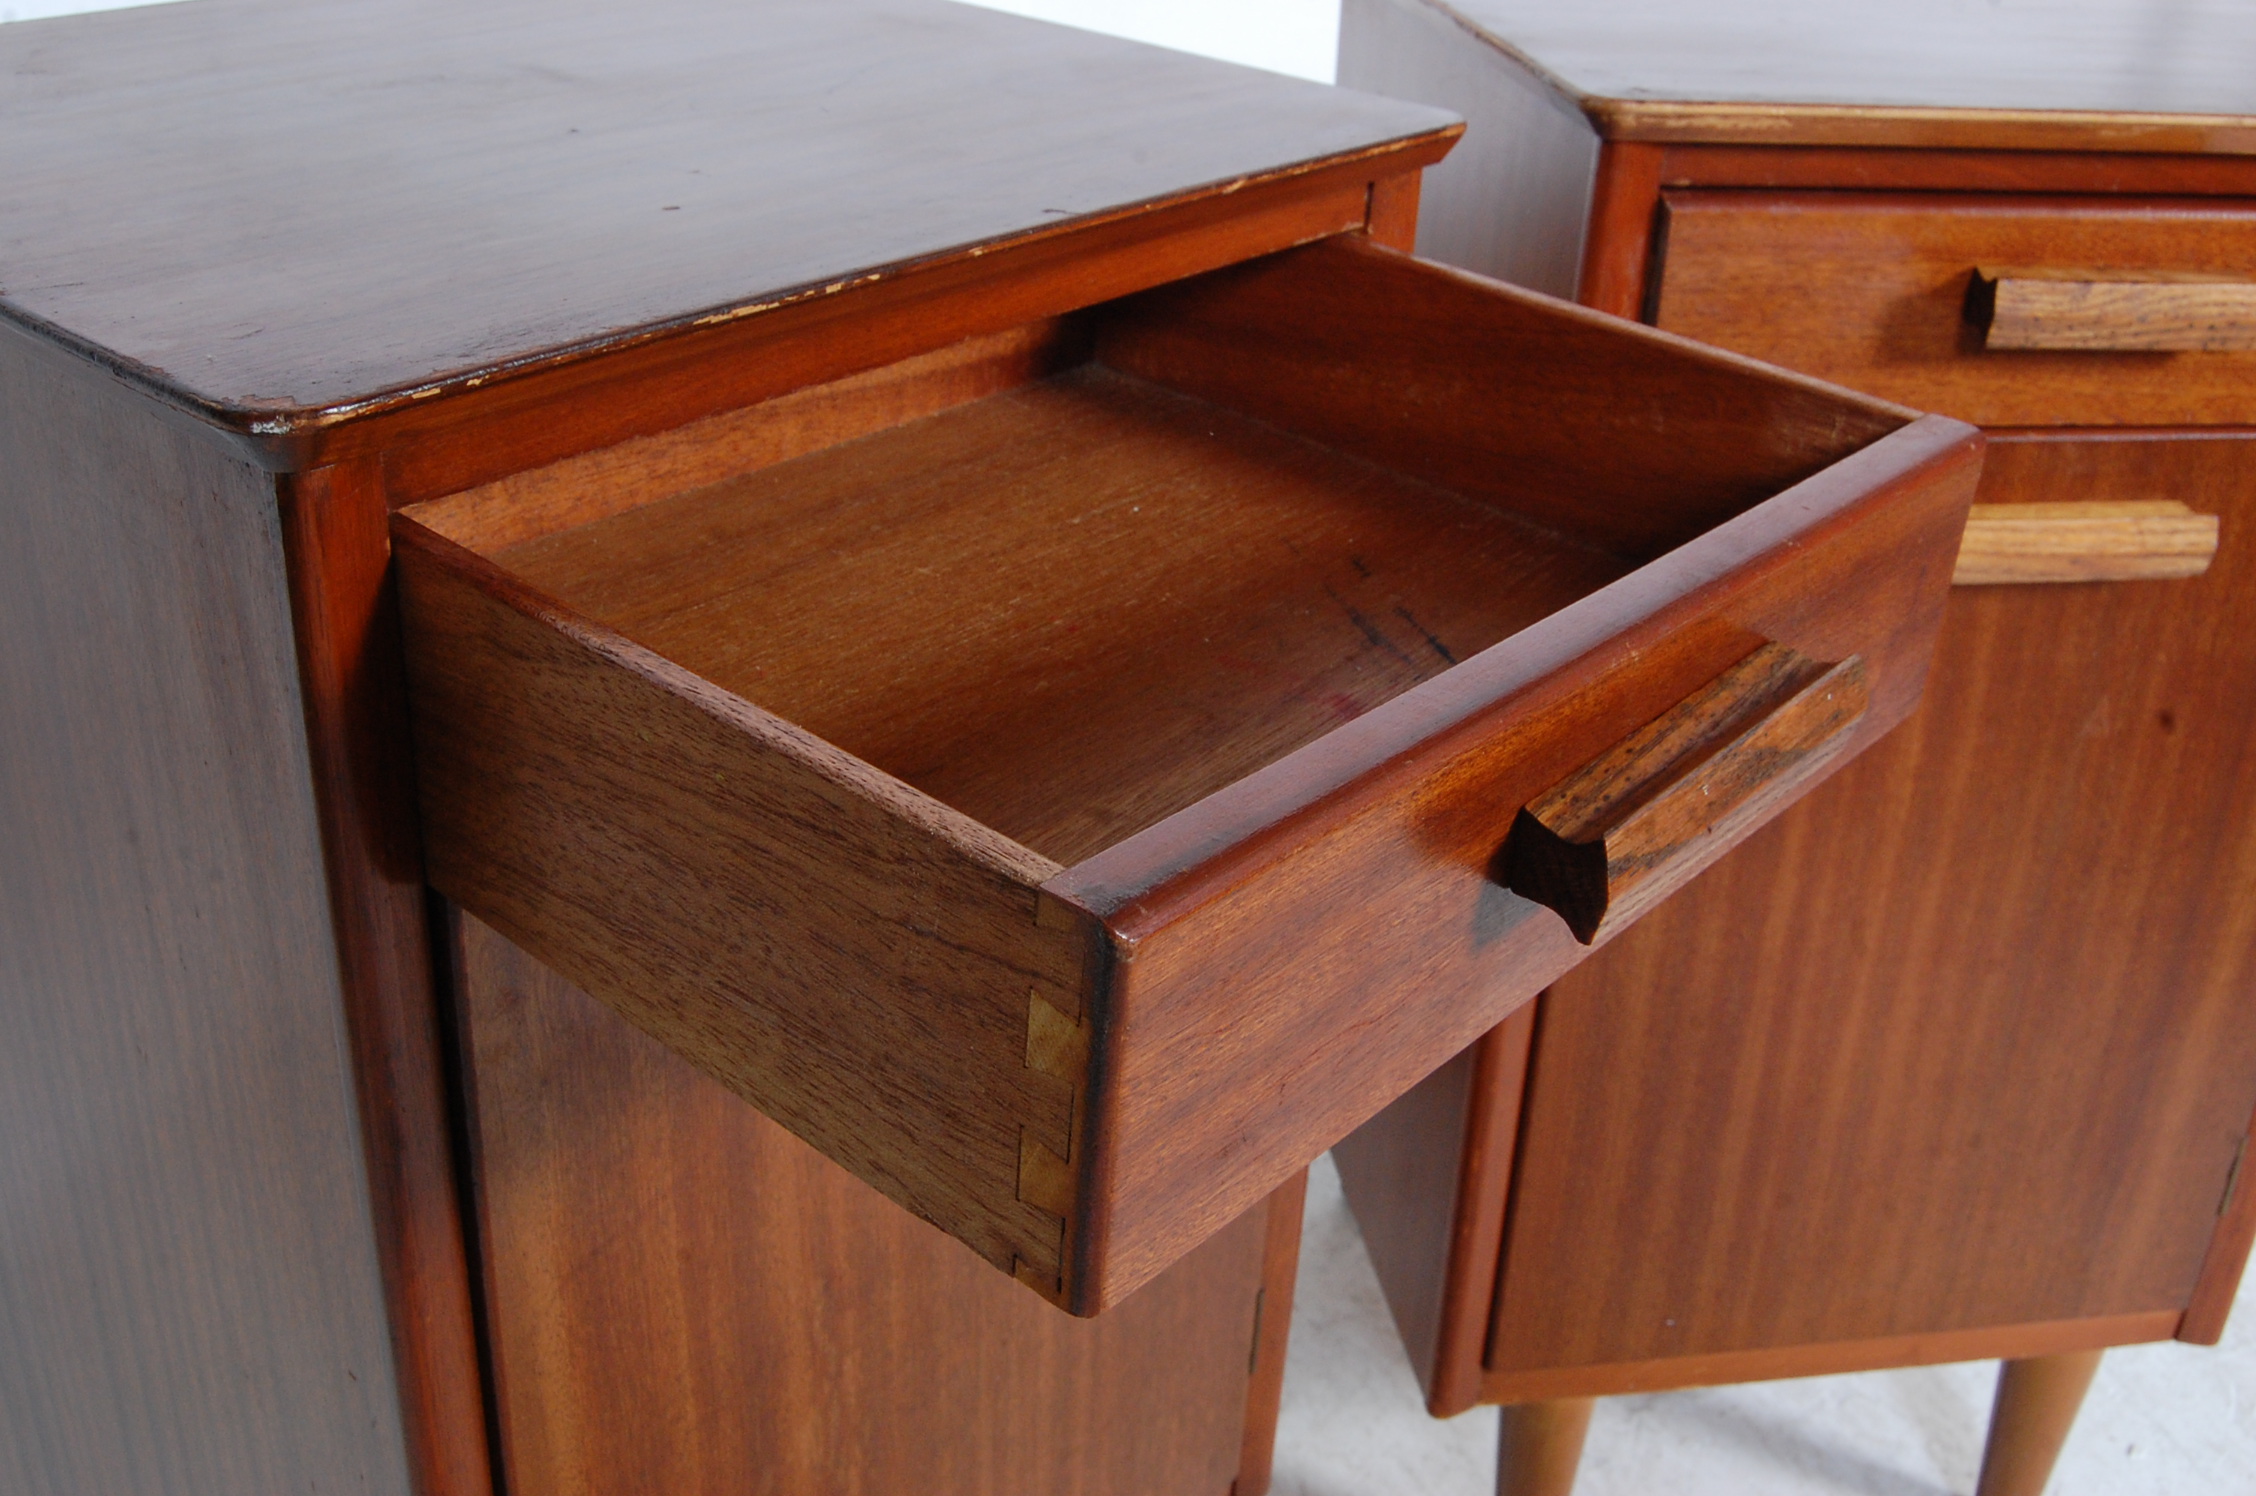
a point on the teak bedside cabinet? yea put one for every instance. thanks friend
(642, 635)
(1958, 1059)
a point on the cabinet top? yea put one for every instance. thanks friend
(263, 208)
(2149, 75)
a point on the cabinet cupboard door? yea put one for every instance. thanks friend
(1964, 1040)
(684, 1298)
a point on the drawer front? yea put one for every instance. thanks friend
(1081, 1057)
(2007, 311)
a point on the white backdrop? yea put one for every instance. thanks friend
(1286, 36)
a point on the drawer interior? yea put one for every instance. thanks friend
(1071, 608)
(1079, 600)
(939, 757)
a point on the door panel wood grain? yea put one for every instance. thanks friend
(687, 1299)
(1753, 1123)
(1872, 290)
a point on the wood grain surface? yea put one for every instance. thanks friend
(1625, 230)
(1898, 169)
(269, 211)
(1392, 216)
(1830, 1357)
(190, 1294)
(2070, 313)
(2112, 314)
(1272, 1334)
(345, 620)
(2084, 540)
(579, 490)
(2059, 842)
(1618, 835)
(2055, 75)
(2227, 1257)
(1427, 1179)
(888, 614)
(1338, 935)
(684, 1298)
(1877, 297)
(853, 957)
(505, 426)
(1539, 1445)
(1502, 395)
(1072, 609)
(2036, 1405)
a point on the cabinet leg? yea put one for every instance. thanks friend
(1539, 1444)
(2036, 1405)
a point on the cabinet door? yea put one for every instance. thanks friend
(1964, 1041)
(681, 1297)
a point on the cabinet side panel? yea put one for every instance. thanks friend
(1400, 1172)
(1512, 199)
(684, 1298)
(189, 1293)
(1965, 1040)
(1428, 1179)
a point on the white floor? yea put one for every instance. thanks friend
(2162, 1420)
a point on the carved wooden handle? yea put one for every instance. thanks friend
(1619, 835)
(2098, 541)
(2155, 314)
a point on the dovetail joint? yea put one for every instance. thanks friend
(1057, 1048)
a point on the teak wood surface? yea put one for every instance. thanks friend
(384, 255)
(2084, 540)
(1888, 1156)
(756, 761)
(200, 1240)
(754, 1320)
(2118, 313)
(2059, 1148)
(1621, 833)
(2036, 1405)
(447, 194)
(1879, 288)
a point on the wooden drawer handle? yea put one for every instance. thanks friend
(2088, 542)
(2175, 314)
(1619, 835)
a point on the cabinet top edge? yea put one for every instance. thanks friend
(2070, 75)
(283, 215)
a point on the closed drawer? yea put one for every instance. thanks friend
(1065, 777)
(2115, 311)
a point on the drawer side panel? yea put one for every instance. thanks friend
(851, 958)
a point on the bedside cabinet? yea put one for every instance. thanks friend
(734, 726)
(1957, 1060)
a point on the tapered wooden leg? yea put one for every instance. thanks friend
(2036, 1405)
(1539, 1444)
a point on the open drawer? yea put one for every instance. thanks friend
(1066, 776)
